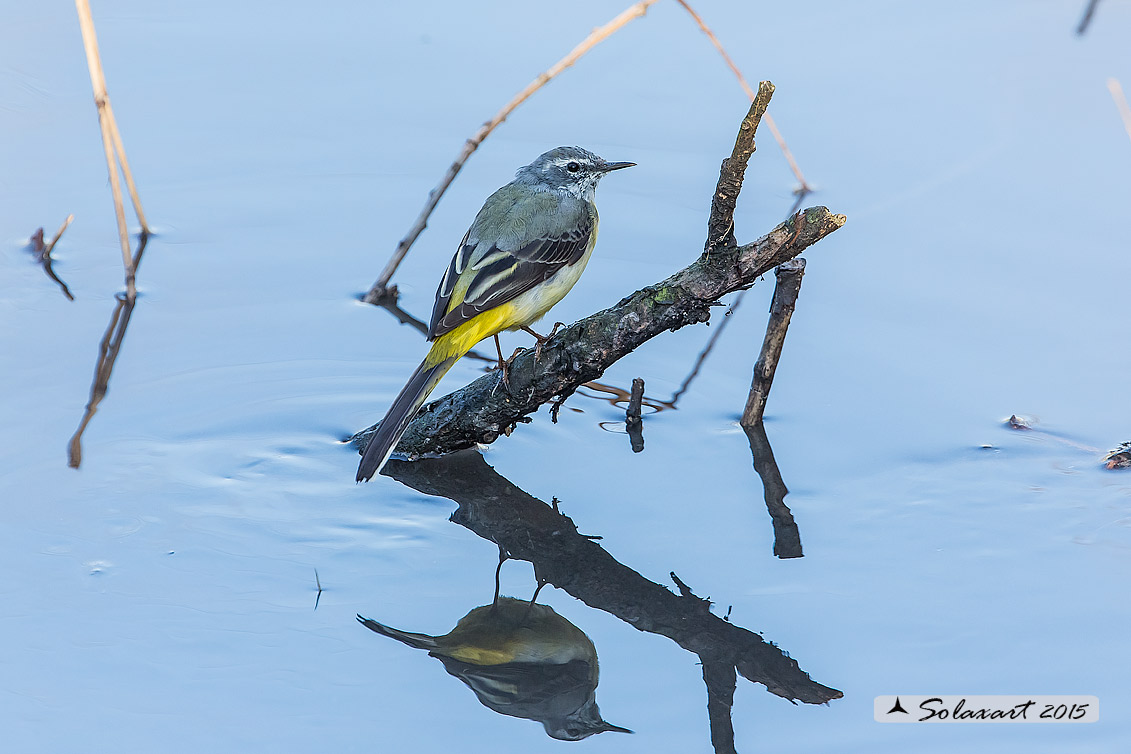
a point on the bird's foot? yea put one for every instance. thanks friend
(504, 369)
(542, 338)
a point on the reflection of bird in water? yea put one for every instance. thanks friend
(521, 659)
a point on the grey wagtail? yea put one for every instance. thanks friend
(524, 251)
(521, 659)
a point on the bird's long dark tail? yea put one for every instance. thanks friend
(420, 641)
(412, 396)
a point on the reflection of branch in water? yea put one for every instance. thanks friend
(721, 681)
(530, 530)
(521, 659)
(787, 537)
(108, 350)
(43, 251)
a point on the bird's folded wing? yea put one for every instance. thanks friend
(481, 278)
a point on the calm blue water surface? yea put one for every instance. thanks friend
(162, 597)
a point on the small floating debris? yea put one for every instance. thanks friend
(1120, 458)
(1019, 422)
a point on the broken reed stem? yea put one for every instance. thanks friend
(804, 188)
(112, 146)
(380, 289)
(130, 185)
(51, 246)
(788, 285)
(1116, 90)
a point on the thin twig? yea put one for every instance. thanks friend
(1116, 90)
(789, 276)
(804, 187)
(720, 224)
(379, 290)
(1087, 19)
(112, 145)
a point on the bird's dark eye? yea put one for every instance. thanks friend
(573, 167)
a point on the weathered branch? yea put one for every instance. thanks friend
(528, 529)
(483, 410)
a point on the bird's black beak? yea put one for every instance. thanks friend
(608, 167)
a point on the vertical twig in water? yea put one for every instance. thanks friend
(781, 309)
(633, 423)
(1116, 90)
(112, 145)
(804, 187)
(381, 288)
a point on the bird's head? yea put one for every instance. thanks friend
(569, 169)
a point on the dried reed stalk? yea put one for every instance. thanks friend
(112, 145)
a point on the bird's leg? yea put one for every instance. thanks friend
(498, 570)
(542, 338)
(533, 600)
(541, 583)
(504, 366)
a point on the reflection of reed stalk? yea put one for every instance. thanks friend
(108, 349)
(380, 288)
(804, 188)
(112, 144)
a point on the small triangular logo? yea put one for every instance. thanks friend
(898, 708)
